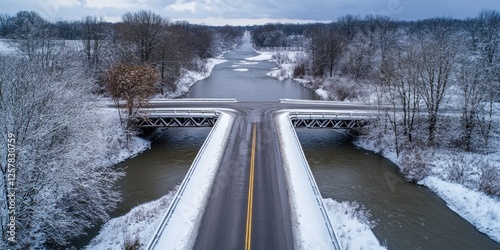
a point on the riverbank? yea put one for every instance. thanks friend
(456, 177)
(190, 77)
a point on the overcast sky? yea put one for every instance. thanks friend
(241, 12)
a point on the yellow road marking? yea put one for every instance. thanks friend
(250, 190)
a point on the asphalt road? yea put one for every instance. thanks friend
(249, 206)
(226, 223)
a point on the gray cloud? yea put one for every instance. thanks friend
(321, 10)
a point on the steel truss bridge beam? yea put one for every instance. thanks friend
(176, 118)
(329, 120)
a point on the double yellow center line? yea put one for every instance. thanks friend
(250, 190)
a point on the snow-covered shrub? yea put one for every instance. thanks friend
(131, 244)
(459, 169)
(281, 58)
(489, 181)
(299, 70)
(343, 89)
(413, 165)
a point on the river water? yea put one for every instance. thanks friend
(408, 216)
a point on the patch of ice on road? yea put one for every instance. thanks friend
(241, 70)
(480, 210)
(352, 225)
(235, 65)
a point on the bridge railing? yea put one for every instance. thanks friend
(335, 120)
(157, 118)
(333, 115)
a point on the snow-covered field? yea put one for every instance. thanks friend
(5, 48)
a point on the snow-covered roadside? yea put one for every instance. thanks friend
(189, 77)
(136, 227)
(308, 207)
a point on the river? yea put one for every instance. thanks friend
(408, 216)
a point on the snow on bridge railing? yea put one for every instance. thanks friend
(302, 101)
(193, 100)
(157, 112)
(333, 115)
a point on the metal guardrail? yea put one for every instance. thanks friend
(333, 115)
(314, 187)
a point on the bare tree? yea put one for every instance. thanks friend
(438, 52)
(94, 35)
(326, 46)
(473, 93)
(403, 80)
(35, 38)
(485, 34)
(144, 29)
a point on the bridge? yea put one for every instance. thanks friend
(250, 186)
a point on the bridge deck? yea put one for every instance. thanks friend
(249, 203)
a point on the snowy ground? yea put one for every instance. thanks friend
(136, 226)
(111, 131)
(189, 78)
(352, 224)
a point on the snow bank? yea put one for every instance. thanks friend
(179, 226)
(111, 131)
(352, 225)
(263, 56)
(137, 225)
(189, 77)
(480, 210)
(241, 70)
(322, 93)
(453, 175)
(309, 219)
